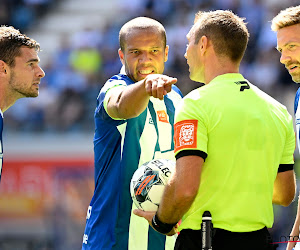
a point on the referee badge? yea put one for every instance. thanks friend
(185, 135)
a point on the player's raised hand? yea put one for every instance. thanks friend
(158, 86)
(149, 216)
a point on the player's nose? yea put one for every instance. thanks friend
(40, 72)
(284, 58)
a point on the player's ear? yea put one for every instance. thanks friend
(121, 55)
(166, 53)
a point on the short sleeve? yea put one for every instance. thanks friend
(190, 128)
(107, 91)
(290, 144)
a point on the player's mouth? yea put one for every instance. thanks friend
(146, 72)
(292, 68)
(36, 84)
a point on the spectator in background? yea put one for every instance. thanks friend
(20, 73)
(104, 40)
(86, 60)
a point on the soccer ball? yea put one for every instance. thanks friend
(148, 183)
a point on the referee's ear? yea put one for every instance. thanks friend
(203, 44)
(3, 67)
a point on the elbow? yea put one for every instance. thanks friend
(285, 200)
(289, 199)
(125, 113)
(286, 203)
(186, 195)
(128, 112)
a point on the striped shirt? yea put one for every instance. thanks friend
(120, 147)
(297, 115)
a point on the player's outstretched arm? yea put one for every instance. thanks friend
(294, 235)
(132, 101)
(284, 188)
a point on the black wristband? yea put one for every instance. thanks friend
(161, 227)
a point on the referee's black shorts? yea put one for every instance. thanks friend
(225, 240)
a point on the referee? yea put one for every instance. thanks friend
(234, 147)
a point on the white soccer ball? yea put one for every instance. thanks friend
(148, 183)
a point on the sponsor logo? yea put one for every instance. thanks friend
(85, 239)
(166, 171)
(89, 212)
(185, 134)
(162, 116)
(144, 184)
(297, 121)
(150, 120)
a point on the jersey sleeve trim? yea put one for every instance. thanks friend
(107, 96)
(183, 153)
(285, 167)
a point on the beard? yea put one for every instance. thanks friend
(21, 87)
(296, 78)
(296, 74)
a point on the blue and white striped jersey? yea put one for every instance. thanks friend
(297, 115)
(120, 147)
(1, 147)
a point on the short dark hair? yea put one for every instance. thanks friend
(227, 31)
(11, 40)
(285, 18)
(141, 23)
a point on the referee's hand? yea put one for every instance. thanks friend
(149, 216)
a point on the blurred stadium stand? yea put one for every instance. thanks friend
(47, 179)
(68, 18)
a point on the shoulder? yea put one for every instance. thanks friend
(266, 97)
(116, 80)
(277, 108)
(119, 80)
(190, 103)
(175, 95)
(296, 100)
(177, 90)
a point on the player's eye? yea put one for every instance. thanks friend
(291, 46)
(279, 50)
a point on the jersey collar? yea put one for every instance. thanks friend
(228, 77)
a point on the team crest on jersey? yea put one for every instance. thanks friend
(162, 116)
(186, 134)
